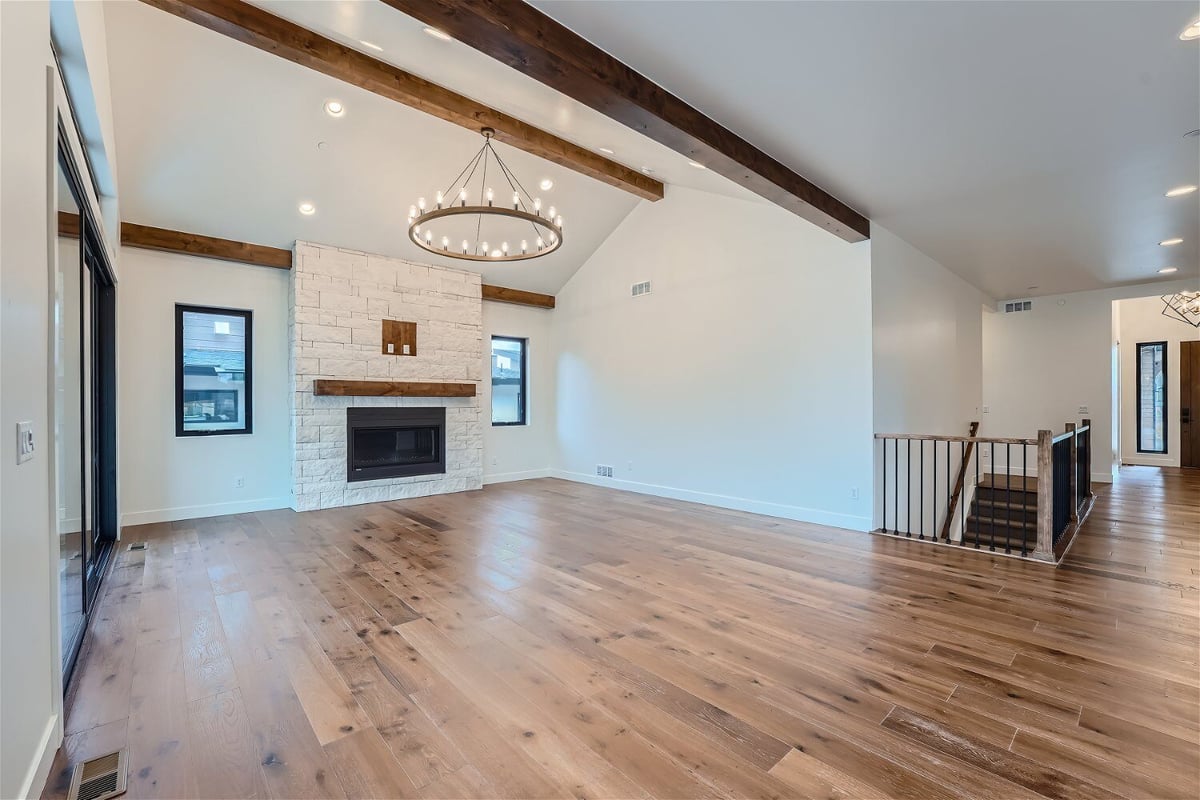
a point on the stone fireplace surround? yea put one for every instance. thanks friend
(339, 299)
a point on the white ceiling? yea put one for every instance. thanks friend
(1019, 143)
(219, 138)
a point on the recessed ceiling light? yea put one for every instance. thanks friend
(1179, 191)
(697, 165)
(1168, 270)
(1169, 242)
(606, 150)
(1191, 32)
(370, 45)
(435, 33)
(307, 209)
(334, 108)
(546, 184)
(647, 170)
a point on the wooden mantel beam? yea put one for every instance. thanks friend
(517, 34)
(253, 26)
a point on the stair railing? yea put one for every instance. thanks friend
(1021, 503)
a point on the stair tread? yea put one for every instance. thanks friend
(1017, 483)
(1002, 522)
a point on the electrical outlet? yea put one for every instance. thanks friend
(630, 466)
(1083, 409)
(24, 441)
(854, 493)
(239, 482)
(987, 409)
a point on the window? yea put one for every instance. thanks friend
(1152, 397)
(212, 371)
(508, 381)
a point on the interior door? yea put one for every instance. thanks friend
(1189, 404)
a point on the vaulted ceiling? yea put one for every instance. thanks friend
(1020, 144)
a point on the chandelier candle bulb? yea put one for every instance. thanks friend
(489, 196)
(445, 242)
(421, 203)
(484, 248)
(462, 196)
(537, 206)
(504, 248)
(465, 245)
(439, 199)
(551, 212)
(516, 201)
(558, 221)
(429, 237)
(524, 246)
(540, 243)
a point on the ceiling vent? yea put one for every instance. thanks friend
(639, 289)
(1018, 305)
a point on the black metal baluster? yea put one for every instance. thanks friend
(975, 533)
(933, 486)
(896, 499)
(992, 546)
(921, 515)
(963, 500)
(883, 469)
(908, 488)
(1024, 498)
(1008, 497)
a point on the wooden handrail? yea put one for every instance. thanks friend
(958, 482)
(937, 438)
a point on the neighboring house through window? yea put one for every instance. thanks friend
(1152, 397)
(508, 381)
(212, 371)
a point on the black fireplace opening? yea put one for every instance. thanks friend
(394, 442)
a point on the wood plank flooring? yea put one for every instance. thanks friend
(549, 639)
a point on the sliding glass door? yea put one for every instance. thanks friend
(84, 406)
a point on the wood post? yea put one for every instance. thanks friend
(1073, 472)
(1045, 496)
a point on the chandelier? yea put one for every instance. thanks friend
(476, 224)
(1183, 306)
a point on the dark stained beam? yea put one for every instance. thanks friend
(517, 34)
(342, 388)
(517, 296)
(253, 26)
(149, 238)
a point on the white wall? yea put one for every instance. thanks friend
(164, 477)
(743, 380)
(514, 452)
(29, 725)
(927, 342)
(1042, 365)
(1141, 320)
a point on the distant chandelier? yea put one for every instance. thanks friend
(508, 228)
(1183, 306)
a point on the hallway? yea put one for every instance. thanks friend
(547, 639)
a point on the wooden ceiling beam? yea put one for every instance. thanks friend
(193, 244)
(522, 37)
(164, 240)
(253, 26)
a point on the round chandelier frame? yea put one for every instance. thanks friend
(546, 228)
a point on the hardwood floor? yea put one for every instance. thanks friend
(550, 639)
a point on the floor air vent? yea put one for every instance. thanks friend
(137, 546)
(99, 778)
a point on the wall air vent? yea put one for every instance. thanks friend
(1017, 305)
(639, 289)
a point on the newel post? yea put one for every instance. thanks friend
(1045, 496)
(1073, 472)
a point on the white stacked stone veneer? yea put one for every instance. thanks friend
(339, 301)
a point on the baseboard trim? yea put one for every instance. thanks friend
(797, 513)
(529, 474)
(39, 769)
(199, 512)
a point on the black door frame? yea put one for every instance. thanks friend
(97, 286)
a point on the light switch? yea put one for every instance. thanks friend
(391, 348)
(407, 349)
(24, 441)
(1083, 409)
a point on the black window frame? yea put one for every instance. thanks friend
(248, 315)
(523, 388)
(1166, 397)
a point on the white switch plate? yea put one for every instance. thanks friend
(407, 350)
(391, 348)
(986, 409)
(1083, 409)
(24, 441)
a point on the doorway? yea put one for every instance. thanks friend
(84, 406)
(1189, 404)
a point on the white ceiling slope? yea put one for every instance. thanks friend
(1020, 144)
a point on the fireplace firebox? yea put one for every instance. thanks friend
(394, 442)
